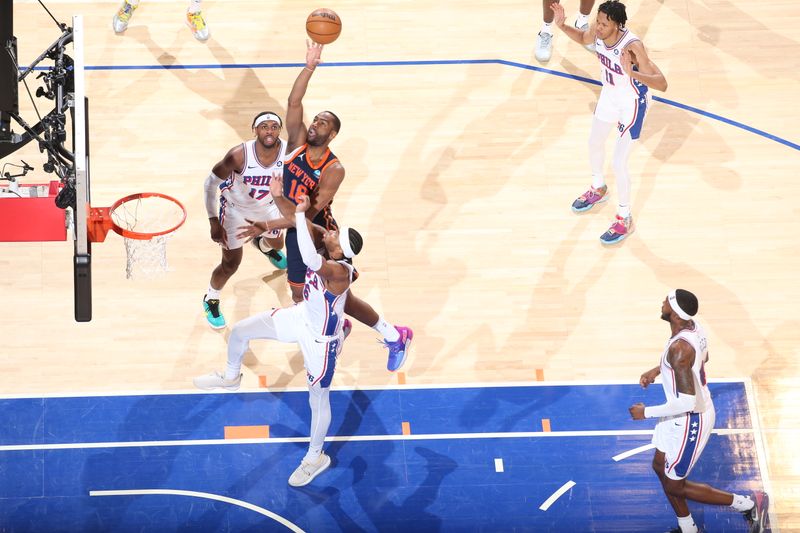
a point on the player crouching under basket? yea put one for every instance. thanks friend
(317, 324)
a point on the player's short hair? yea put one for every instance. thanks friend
(337, 124)
(687, 301)
(279, 121)
(615, 11)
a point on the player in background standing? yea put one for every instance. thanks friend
(544, 41)
(242, 179)
(194, 18)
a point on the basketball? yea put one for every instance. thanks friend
(323, 26)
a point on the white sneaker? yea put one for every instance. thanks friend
(215, 380)
(123, 16)
(197, 24)
(585, 27)
(304, 473)
(544, 46)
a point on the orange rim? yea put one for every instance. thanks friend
(100, 219)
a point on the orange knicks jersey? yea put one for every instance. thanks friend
(301, 177)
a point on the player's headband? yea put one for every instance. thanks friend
(673, 303)
(344, 242)
(268, 116)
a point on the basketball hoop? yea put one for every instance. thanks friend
(146, 221)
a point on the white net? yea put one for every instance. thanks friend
(146, 259)
(147, 254)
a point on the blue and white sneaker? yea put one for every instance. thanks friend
(213, 314)
(398, 350)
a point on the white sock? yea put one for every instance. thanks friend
(212, 294)
(547, 27)
(134, 3)
(742, 503)
(598, 181)
(194, 6)
(313, 453)
(624, 211)
(581, 20)
(388, 331)
(687, 525)
(232, 371)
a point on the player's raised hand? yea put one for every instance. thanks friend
(313, 54)
(558, 14)
(276, 184)
(626, 61)
(303, 203)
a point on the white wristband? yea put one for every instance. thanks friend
(211, 191)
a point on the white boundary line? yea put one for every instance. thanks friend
(205, 495)
(350, 438)
(556, 495)
(475, 385)
(761, 449)
(629, 453)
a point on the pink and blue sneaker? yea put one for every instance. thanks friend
(398, 350)
(619, 230)
(591, 197)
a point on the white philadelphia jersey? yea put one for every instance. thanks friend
(697, 339)
(248, 191)
(614, 78)
(323, 311)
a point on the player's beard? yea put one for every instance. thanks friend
(269, 146)
(665, 316)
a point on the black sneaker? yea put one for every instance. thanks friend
(757, 516)
(213, 314)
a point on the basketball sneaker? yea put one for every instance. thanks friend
(757, 516)
(213, 314)
(544, 46)
(276, 257)
(619, 230)
(587, 200)
(123, 16)
(306, 472)
(215, 380)
(398, 350)
(197, 24)
(585, 27)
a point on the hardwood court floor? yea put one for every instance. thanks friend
(460, 176)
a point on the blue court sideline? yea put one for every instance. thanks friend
(476, 459)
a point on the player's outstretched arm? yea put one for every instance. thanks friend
(330, 270)
(295, 128)
(579, 36)
(647, 72)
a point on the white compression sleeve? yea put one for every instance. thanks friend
(684, 403)
(307, 249)
(622, 151)
(597, 150)
(319, 400)
(211, 191)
